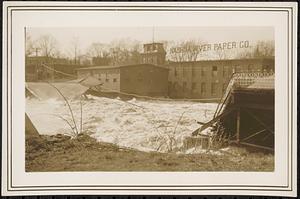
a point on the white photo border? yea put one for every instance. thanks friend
(10, 188)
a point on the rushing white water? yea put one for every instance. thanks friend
(141, 124)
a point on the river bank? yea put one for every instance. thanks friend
(84, 153)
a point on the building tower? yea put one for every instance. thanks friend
(154, 53)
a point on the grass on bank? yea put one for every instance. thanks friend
(61, 153)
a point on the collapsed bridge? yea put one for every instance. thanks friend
(245, 114)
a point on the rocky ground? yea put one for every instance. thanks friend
(61, 153)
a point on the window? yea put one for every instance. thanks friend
(175, 85)
(214, 88)
(202, 71)
(214, 71)
(266, 68)
(203, 88)
(127, 80)
(140, 76)
(184, 86)
(233, 69)
(193, 71)
(225, 71)
(237, 69)
(184, 71)
(224, 88)
(107, 80)
(194, 86)
(250, 66)
(115, 80)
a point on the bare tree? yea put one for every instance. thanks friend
(125, 51)
(135, 53)
(259, 50)
(185, 50)
(264, 49)
(99, 53)
(119, 55)
(75, 48)
(176, 51)
(98, 50)
(223, 54)
(47, 45)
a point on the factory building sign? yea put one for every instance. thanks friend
(212, 47)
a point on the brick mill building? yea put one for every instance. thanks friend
(209, 79)
(201, 79)
(141, 79)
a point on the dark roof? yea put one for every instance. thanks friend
(98, 67)
(120, 66)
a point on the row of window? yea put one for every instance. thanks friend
(203, 87)
(97, 73)
(204, 71)
(108, 80)
(153, 60)
(226, 70)
(151, 47)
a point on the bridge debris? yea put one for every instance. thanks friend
(245, 114)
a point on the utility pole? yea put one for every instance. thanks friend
(153, 34)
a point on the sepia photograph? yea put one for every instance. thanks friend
(149, 99)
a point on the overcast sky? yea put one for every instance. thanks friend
(145, 34)
(86, 36)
